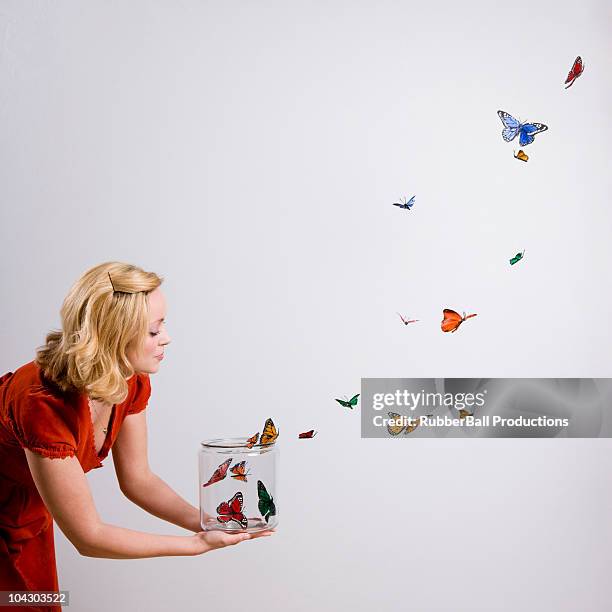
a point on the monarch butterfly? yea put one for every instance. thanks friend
(269, 434)
(517, 258)
(452, 320)
(218, 474)
(232, 511)
(307, 434)
(521, 155)
(575, 72)
(266, 502)
(252, 441)
(239, 472)
(349, 403)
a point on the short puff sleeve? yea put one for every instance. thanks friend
(44, 424)
(141, 396)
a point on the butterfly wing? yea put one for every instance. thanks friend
(451, 320)
(511, 125)
(528, 132)
(394, 430)
(410, 202)
(353, 400)
(269, 434)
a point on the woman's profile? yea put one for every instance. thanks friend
(60, 414)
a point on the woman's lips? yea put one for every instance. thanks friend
(160, 357)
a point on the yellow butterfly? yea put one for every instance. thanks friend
(413, 423)
(521, 155)
(269, 434)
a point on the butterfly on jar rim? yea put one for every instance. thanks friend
(452, 320)
(407, 204)
(575, 72)
(513, 128)
(252, 441)
(232, 511)
(239, 471)
(269, 434)
(219, 474)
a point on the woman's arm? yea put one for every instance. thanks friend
(65, 491)
(140, 485)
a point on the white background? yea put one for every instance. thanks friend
(249, 152)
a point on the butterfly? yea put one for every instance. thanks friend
(239, 472)
(404, 321)
(525, 131)
(269, 434)
(394, 430)
(307, 434)
(452, 320)
(252, 441)
(517, 258)
(405, 204)
(218, 474)
(266, 502)
(575, 72)
(465, 413)
(232, 511)
(521, 155)
(349, 403)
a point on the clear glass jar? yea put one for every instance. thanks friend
(238, 485)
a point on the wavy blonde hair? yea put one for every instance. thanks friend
(104, 315)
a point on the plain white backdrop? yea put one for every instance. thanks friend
(249, 152)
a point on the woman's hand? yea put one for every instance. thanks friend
(205, 541)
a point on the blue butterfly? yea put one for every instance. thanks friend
(408, 205)
(525, 131)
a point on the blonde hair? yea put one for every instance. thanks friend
(104, 314)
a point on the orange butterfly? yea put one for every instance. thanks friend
(452, 320)
(270, 433)
(252, 441)
(239, 471)
(521, 155)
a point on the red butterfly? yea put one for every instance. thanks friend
(239, 472)
(218, 474)
(232, 511)
(575, 72)
(307, 434)
(452, 320)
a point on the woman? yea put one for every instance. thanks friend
(60, 415)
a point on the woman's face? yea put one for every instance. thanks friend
(149, 359)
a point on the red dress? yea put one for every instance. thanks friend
(36, 415)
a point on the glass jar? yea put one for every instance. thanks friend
(238, 486)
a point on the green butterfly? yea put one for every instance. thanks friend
(350, 403)
(517, 258)
(266, 502)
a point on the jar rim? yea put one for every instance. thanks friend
(232, 443)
